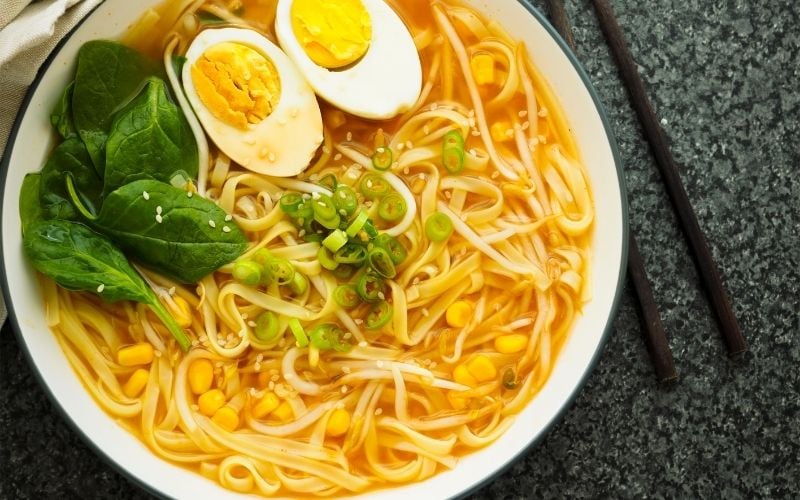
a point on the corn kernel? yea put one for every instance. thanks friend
(211, 401)
(227, 418)
(181, 312)
(201, 375)
(456, 401)
(283, 412)
(509, 344)
(338, 423)
(499, 131)
(266, 405)
(136, 354)
(482, 65)
(481, 368)
(462, 376)
(135, 384)
(458, 314)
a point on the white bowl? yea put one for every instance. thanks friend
(32, 139)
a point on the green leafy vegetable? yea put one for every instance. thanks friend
(61, 117)
(79, 259)
(183, 236)
(108, 76)
(30, 210)
(149, 139)
(70, 158)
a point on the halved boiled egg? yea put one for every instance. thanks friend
(357, 54)
(252, 102)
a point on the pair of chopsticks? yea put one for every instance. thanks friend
(654, 333)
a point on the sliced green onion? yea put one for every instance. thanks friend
(453, 139)
(381, 262)
(326, 260)
(374, 186)
(335, 240)
(379, 315)
(329, 182)
(344, 272)
(369, 287)
(346, 200)
(358, 223)
(392, 245)
(298, 332)
(392, 207)
(247, 272)
(267, 327)
(281, 270)
(299, 284)
(382, 158)
(346, 296)
(453, 160)
(290, 201)
(438, 227)
(262, 257)
(351, 253)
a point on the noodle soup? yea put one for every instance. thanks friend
(331, 352)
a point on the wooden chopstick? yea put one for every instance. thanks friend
(654, 335)
(655, 135)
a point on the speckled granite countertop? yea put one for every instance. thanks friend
(723, 75)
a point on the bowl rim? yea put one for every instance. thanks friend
(542, 19)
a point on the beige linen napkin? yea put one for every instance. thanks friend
(29, 30)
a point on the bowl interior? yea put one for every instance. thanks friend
(32, 140)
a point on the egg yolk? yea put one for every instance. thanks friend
(238, 85)
(333, 33)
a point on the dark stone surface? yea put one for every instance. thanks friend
(723, 75)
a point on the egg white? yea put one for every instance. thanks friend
(386, 81)
(284, 142)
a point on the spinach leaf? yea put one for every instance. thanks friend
(108, 76)
(186, 239)
(69, 158)
(149, 139)
(30, 210)
(61, 117)
(79, 259)
(177, 64)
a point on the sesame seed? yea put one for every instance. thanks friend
(473, 152)
(415, 281)
(159, 210)
(406, 170)
(172, 290)
(379, 363)
(344, 389)
(495, 174)
(409, 144)
(359, 321)
(100, 288)
(337, 157)
(251, 324)
(159, 219)
(326, 150)
(212, 223)
(145, 195)
(509, 133)
(381, 295)
(346, 369)
(426, 130)
(543, 112)
(315, 195)
(476, 133)
(226, 229)
(347, 335)
(349, 136)
(260, 358)
(189, 194)
(158, 354)
(378, 411)
(523, 113)
(301, 233)
(425, 312)
(542, 139)
(257, 366)
(271, 157)
(433, 365)
(271, 385)
(400, 146)
(363, 343)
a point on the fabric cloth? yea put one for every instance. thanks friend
(29, 30)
